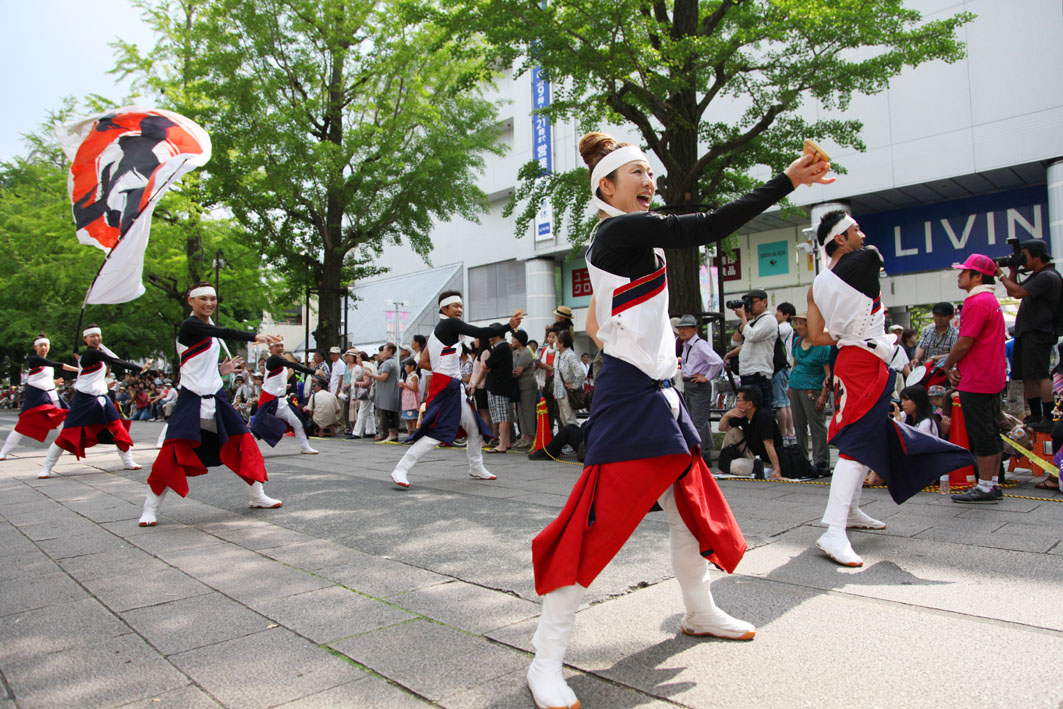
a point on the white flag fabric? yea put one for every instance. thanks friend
(123, 161)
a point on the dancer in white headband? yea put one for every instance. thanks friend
(641, 444)
(845, 309)
(449, 408)
(204, 429)
(42, 408)
(92, 417)
(276, 415)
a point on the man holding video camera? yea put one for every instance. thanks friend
(1035, 331)
(756, 333)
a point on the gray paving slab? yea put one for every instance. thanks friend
(125, 592)
(312, 555)
(36, 633)
(467, 606)
(88, 541)
(511, 690)
(367, 692)
(265, 669)
(58, 526)
(110, 673)
(331, 613)
(379, 577)
(127, 561)
(26, 561)
(254, 534)
(189, 697)
(31, 592)
(193, 622)
(111, 510)
(431, 660)
(169, 537)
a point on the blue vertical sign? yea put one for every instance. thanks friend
(542, 148)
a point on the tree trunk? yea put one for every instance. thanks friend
(329, 301)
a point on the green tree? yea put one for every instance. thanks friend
(664, 67)
(338, 127)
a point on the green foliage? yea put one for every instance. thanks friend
(338, 127)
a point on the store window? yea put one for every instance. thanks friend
(496, 290)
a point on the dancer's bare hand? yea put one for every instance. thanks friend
(806, 170)
(263, 338)
(230, 366)
(514, 322)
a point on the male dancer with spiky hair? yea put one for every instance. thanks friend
(448, 407)
(845, 309)
(93, 418)
(275, 415)
(204, 429)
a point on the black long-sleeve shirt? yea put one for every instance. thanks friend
(276, 362)
(193, 331)
(624, 245)
(448, 331)
(93, 356)
(34, 361)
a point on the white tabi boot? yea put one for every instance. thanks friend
(409, 459)
(127, 460)
(845, 486)
(259, 499)
(703, 617)
(54, 452)
(473, 446)
(151, 508)
(546, 678)
(12, 440)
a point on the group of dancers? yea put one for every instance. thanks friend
(632, 462)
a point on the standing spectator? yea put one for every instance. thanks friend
(1035, 332)
(499, 387)
(978, 359)
(411, 394)
(324, 407)
(568, 374)
(481, 351)
(757, 338)
(525, 374)
(317, 362)
(937, 338)
(562, 319)
(700, 365)
(808, 392)
(350, 403)
(418, 344)
(365, 425)
(387, 395)
(335, 382)
(780, 381)
(243, 395)
(1015, 402)
(544, 374)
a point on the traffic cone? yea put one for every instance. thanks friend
(964, 477)
(543, 434)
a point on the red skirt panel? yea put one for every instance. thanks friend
(40, 420)
(76, 439)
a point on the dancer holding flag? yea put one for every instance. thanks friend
(629, 316)
(448, 408)
(845, 309)
(204, 429)
(92, 417)
(42, 409)
(275, 414)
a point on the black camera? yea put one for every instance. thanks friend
(1015, 259)
(746, 302)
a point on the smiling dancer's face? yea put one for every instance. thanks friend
(633, 188)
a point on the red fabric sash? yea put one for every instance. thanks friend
(177, 461)
(40, 420)
(436, 384)
(264, 398)
(76, 439)
(859, 380)
(609, 501)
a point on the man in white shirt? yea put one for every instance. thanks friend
(756, 333)
(324, 407)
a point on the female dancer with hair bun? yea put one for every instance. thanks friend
(629, 319)
(42, 409)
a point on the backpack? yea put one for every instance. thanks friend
(794, 462)
(779, 360)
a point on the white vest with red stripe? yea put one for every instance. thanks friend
(445, 359)
(633, 322)
(276, 382)
(852, 318)
(92, 381)
(199, 372)
(42, 378)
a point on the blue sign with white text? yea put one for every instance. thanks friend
(933, 237)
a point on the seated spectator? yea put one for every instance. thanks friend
(324, 408)
(916, 411)
(752, 433)
(570, 435)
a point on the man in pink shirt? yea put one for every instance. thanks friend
(976, 367)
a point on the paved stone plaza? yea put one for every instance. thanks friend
(356, 594)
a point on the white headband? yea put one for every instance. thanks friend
(451, 300)
(202, 290)
(91, 331)
(42, 341)
(620, 156)
(846, 222)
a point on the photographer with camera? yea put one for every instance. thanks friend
(757, 337)
(1035, 326)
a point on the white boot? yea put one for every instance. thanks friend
(127, 460)
(545, 676)
(12, 440)
(836, 545)
(151, 508)
(162, 435)
(858, 519)
(845, 486)
(54, 452)
(409, 459)
(259, 498)
(473, 445)
(703, 616)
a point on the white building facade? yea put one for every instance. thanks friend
(959, 158)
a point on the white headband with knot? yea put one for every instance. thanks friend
(42, 341)
(842, 226)
(450, 300)
(620, 156)
(91, 331)
(202, 290)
